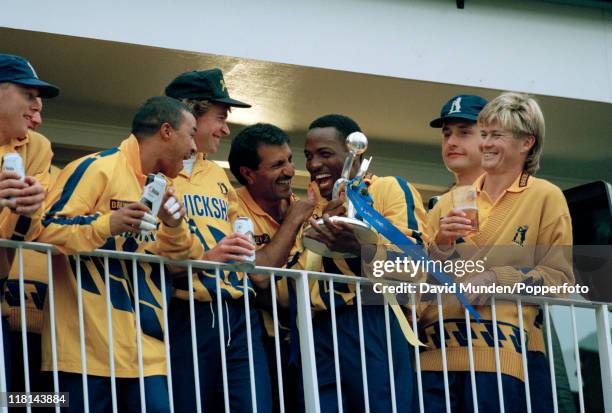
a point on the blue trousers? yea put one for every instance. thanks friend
(209, 358)
(460, 392)
(460, 389)
(540, 386)
(128, 393)
(377, 364)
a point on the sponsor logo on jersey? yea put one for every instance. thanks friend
(262, 239)
(116, 204)
(206, 206)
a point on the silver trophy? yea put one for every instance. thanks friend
(356, 143)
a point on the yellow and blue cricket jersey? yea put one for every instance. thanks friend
(35, 274)
(211, 206)
(35, 151)
(401, 204)
(531, 213)
(265, 227)
(80, 204)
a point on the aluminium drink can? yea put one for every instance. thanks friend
(12, 162)
(153, 193)
(244, 226)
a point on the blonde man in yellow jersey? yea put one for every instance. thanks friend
(211, 206)
(462, 157)
(261, 160)
(95, 204)
(400, 203)
(21, 201)
(510, 200)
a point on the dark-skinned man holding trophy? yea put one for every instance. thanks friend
(344, 245)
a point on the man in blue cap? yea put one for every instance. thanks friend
(461, 155)
(21, 197)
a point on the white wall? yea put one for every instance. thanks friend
(529, 46)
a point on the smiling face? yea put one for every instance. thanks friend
(460, 146)
(501, 150)
(179, 146)
(325, 156)
(271, 180)
(17, 108)
(212, 126)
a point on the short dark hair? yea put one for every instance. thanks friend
(243, 151)
(343, 125)
(155, 112)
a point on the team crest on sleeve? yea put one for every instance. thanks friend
(519, 235)
(222, 188)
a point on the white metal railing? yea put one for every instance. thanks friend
(306, 339)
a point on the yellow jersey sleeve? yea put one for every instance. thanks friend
(71, 222)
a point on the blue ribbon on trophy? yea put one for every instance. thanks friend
(363, 218)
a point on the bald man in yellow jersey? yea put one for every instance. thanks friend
(95, 203)
(400, 203)
(211, 206)
(511, 201)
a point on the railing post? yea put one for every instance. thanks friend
(309, 367)
(605, 353)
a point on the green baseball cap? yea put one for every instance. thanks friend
(203, 85)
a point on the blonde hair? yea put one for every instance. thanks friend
(520, 114)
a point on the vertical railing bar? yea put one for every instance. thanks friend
(51, 298)
(468, 332)
(604, 346)
(162, 273)
(194, 339)
(390, 355)
(307, 352)
(577, 356)
(551, 357)
(332, 304)
(524, 351)
(24, 325)
(82, 337)
(279, 369)
(109, 317)
(3, 369)
(247, 311)
(500, 389)
(417, 354)
(364, 370)
(222, 339)
(143, 405)
(443, 350)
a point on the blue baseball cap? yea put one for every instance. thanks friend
(460, 107)
(15, 69)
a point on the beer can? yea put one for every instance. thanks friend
(12, 162)
(244, 226)
(154, 190)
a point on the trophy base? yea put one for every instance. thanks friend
(362, 230)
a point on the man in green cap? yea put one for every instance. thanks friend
(211, 206)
